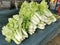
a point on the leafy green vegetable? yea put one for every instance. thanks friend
(31, 16)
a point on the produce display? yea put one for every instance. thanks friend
(31, 16)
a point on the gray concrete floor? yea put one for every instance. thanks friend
(55, 41)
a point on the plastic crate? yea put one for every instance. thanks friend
(40, 37)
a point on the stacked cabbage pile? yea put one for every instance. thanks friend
(31, 16)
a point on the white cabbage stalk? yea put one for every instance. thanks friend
(18, 37)
(32, 28)
(43, 18)
(41, 25)
(50, 15)
(25, 35)
(10, 19)
(6, 32)
(8, 39)
(17, 42)
(33, 25)
(16, 17)
(54, 19)
(35, 20)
